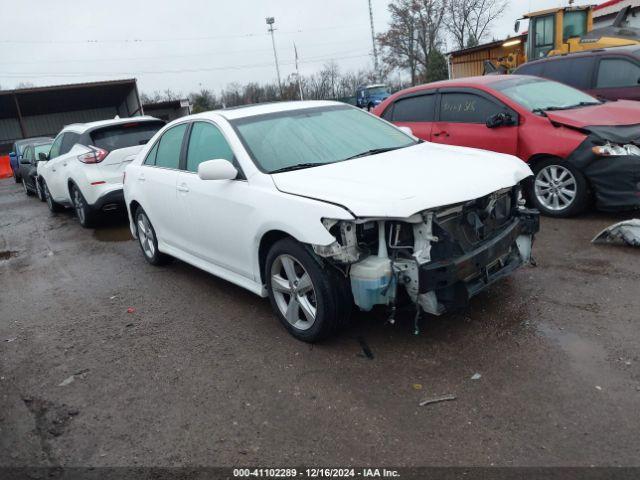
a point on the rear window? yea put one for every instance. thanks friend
(125, 135)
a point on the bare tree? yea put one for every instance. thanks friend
(414, 31)
(469, 21)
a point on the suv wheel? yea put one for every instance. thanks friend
(559, 189)
(39, 190)
(84, 212)
(305, 294)
(148, 240)
(53, 206)
(27, 192)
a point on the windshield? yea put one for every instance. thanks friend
(321, 135)
(378, 91)
(537, 94)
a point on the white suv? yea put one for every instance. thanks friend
(320, 204)
(86, 162)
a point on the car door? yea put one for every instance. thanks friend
(214, 215)
(416, 111)
(48, 169)
(618, 77)
(462, 120)
(26, 163)
(158, 175)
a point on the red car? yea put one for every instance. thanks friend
(577, 146)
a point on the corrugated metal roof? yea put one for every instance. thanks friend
(65, 86)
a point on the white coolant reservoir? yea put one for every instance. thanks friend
(371, 279)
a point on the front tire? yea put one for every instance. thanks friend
(559, 189)
(85, 214)
(148, 240)
(305, 293)
(51, 203)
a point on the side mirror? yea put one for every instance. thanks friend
(499, 120)
(407, 130)
(12, 155)
(516, 27)
(217, 170)
(43, 157)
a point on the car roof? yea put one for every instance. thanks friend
(83, 127)
(28, 141)
(471, 82)
(265, 108)
(626, 49)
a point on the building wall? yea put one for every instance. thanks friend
(51, 124)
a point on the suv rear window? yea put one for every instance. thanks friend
(125, 135)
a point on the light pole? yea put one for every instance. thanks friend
(270, 22)
(373, 42)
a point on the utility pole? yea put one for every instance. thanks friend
(373, 42)
(298, 71)
(270, 22)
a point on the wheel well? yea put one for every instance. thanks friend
(71, 183)
(266, 242)
(538, 157)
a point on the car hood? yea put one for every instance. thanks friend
(406, 181)
(621, 112)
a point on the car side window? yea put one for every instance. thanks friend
(617, 73)
(170, 146)
(26, 155)
(55, 146)
(206, 142)
(534, 70)
(575, 72)
(419, 108)
(467, 108)
(68, 141)
(151, 156)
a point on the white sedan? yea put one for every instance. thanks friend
(319, 205)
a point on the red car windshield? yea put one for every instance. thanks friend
(538, 95)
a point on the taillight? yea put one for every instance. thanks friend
(96, 155)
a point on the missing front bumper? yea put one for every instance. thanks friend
(455, 281)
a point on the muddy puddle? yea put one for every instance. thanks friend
(120, 234)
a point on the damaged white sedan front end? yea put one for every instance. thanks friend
(439, 257)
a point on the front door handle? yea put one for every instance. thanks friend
(141, 178)
(182, 188)
(443, 133)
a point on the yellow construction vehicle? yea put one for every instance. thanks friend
(559, 31)
(567, 30)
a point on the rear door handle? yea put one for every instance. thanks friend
(446, 134)
(182, 188)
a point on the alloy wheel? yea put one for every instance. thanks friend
(24, 186)
(293, 292)
(47, 196)
(145, 236)
(78, 203)
(39, 190)
(555, 187)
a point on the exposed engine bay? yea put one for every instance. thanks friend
(441, 257)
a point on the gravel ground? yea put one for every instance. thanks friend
(201, 372)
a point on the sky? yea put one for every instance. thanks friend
(192, 44)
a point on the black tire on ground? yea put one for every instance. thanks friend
(330, 294)
(39, 190)
(53, 206)
(27, 192)
(575, 198)
(86, 215)
(148, 240)
(16, 177)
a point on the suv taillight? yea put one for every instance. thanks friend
(96, 155)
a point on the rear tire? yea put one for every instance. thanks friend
(148, 240)
(306, 294)
(27, 192)
(39, 190)
(53, 206)
(558, 188)
(86, 215)
(16, 177)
